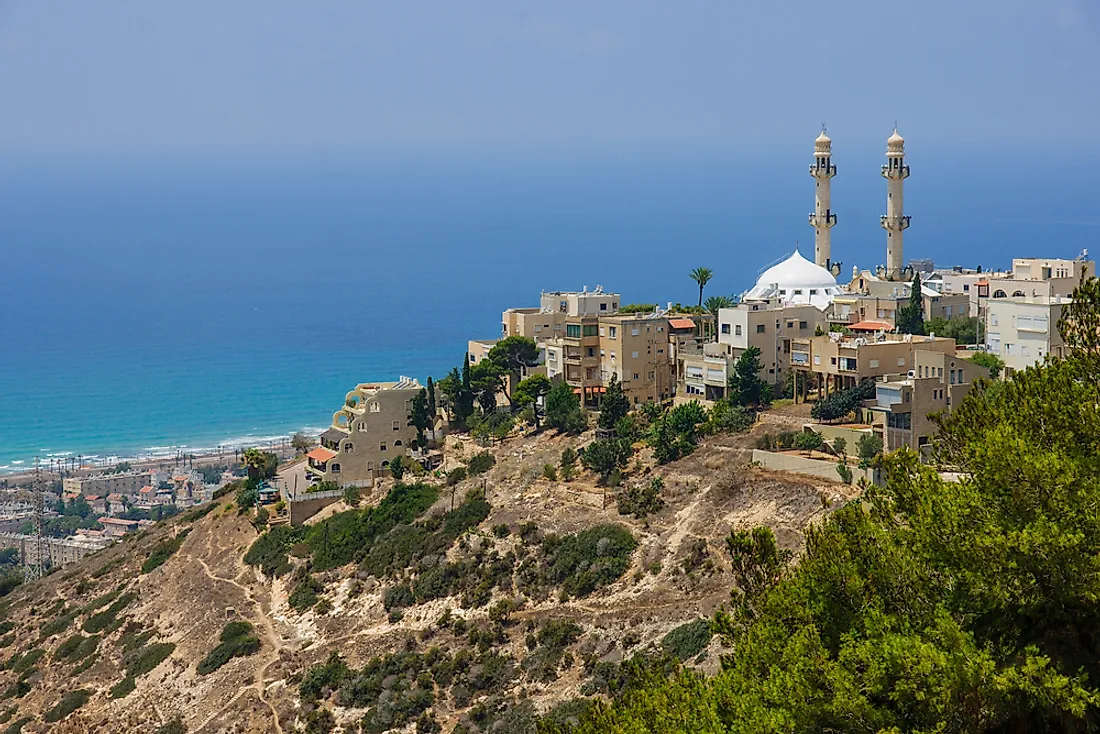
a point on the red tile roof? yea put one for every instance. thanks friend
(114, 497)
(116, 521)
(321, 454)
(681, 323)
(146, 489)
(872, 326)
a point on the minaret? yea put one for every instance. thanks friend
(822, 218)
(894, 222)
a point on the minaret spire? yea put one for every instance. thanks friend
(894, 221)
(822, 218)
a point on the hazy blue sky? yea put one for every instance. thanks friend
(107, 76)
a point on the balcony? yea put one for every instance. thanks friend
(894, 223)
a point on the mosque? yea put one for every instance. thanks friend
(796, 280)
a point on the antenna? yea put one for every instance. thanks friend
(36, 569)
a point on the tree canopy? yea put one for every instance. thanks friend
(614, 405)
(745, 386)
(701, 276)
(563, 409)
(910, 317)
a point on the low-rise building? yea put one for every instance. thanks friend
(769, 326)
(97, 503)
(548, 320)
(1023, 330)
(937, 382)
(126, 483)
(116, 528)
(115, 504)
(372, 427)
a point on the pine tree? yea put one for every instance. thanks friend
(745, 387)
(910, 317)
(614, 405)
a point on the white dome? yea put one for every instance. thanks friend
(796, 280)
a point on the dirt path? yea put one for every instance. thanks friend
(274, 645)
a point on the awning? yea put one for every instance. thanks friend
(578, 390)
(321, 454)
(681, 323)
(872, 326)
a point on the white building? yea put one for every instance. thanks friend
(1022, 331)
(795, 281)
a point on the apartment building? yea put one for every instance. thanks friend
(635, 347)
(1022, 331)
(841, 361)
(871, 299)
(371, 428)
(548, 320)
(127, 483)
(937, 382)
(769, 326)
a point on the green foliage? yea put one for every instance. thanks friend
(163, 551)
(687, 640)
(563, 409)
(199, 513)
(26, 661)
(100, 621)
(701, 276)
(643, 499)
(604, 456)
(728, 418)
(320, 721)
(70, 702)
(172, 726)
(674, 434)
(144, 659)
(480, 463)
(963, 329)
(269, 551)
(301, 443)
(844, 471)
(248, 495)
(9, 582)
(841, 403)
(421, 416)
(398, 465)
(868, 447)
(745, 387)
(59, 624)
(456, 475)
(236, 641)
(808, 441)
(638, 308)
(123, 687)
(306, 592)
(991, 362)
(16, 727)
(614, 406)
(529, 391)
(590, 559)
(259, 464)
(550, 472)
(910, 317)
(568, 463)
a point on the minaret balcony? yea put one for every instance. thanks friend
(819, 171)
(828, 219)
(899, 173)
(896, 224)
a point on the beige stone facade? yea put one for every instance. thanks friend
(841, 361)
(129, 484)
(371, 428)
(1023, 331)
(769, 326)
(904, 406)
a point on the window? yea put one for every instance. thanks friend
(634, 355)
(873, 364)
(382, 446)
(966, 288)
(573, 330)
(370, 466)
(790, 324)
(563, 306)
(362, 426)
(602, 331)
(726, 328)
(537, 328)
(602, 353)
(635, 331)
(397, 443)
(737, 331)
(651, 374)
(613, 332)
(803, 325)
(760, 328)
(901, 361)
(591, 351)
(591, 330)
(992, 319)
(603, 306)
(396, 425)
(612, 355)
(334, 468)
(375, 407)
(348, 448)
(813, 291)
(637, 376)
(798, 291)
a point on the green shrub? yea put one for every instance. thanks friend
(480, 463)
(26, 661)
(99, 622)
(88, 662)
(16, 727)
(68, 647)
(549, 471)
(173, 726)
(641, 500)
(587, 560)
(141, 661)
(107, 567)
(198, 513)
(60, 624)
(269, 551)
(123, 687)
(305, 593)
(69, 703)
(163, 551)
(454, 476)
(237, 640)
(687, 640)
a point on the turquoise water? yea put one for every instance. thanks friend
(150, 306)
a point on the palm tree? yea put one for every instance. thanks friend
(701, 276)
(713, 304)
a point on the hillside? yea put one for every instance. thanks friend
(524, 597)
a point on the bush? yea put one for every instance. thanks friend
(145, 659)
(99, 622)
(305, 593)
(568, 463)
(687, 640)
(454, 476)
(726, 418)
(868, 447)
(163, 551)
(269, 551)
(123, 687)
(840, 404)
(352, 495)
(398, 466)
(248, 495)
(604, 456)
(174, 726)
(550, 472)
(60, 624)
(808, 441)
(480, 463)
(844, 471)
(237, 640)
(70, 702)
(397, 597)
(641, 500)
(587, 560)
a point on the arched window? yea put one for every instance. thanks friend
(348, 448)
(397, 442)
(1018, 294)
(335, 468)
(385, 464)
(999, 293)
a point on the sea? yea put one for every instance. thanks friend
(158, 304)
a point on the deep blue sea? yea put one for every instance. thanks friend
(190, 302)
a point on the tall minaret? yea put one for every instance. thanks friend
(822, 218)
(894, 222)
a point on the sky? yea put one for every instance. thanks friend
(117, 77)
